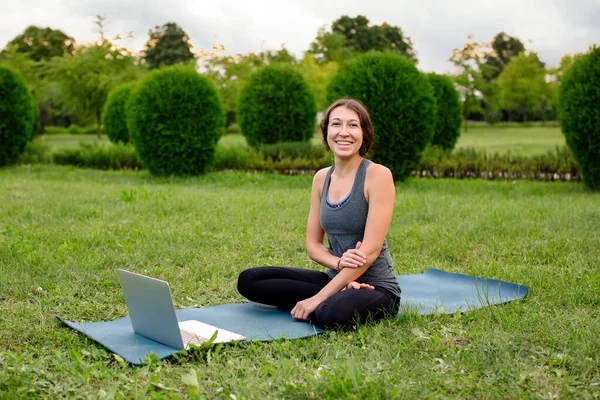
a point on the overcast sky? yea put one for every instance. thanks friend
(551, 28)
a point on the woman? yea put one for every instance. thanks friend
(352, 202)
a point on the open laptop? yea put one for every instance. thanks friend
(152, 314)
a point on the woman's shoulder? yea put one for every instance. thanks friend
(378, 172)
(319, 177)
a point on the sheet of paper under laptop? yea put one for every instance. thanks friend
(197, 332)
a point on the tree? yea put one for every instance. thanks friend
(318, 76)
(449, 112)
(84, 79)
(350, 36)
(400, 101)
(522, 85)
(167, 45)
(579, 112)
(504, 47)
(16, 116)
(273, 94)
(27, 54)
(175, 119)
(42, 43)
(470, 80)
(230, 73)
(330, 47)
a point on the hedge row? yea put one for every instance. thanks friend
(301, 158)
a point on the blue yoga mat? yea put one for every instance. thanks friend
(434, 291)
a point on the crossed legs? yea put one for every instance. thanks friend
(283, 287)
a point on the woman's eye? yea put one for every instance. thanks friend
(335, 123)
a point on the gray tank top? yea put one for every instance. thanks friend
(344, 223)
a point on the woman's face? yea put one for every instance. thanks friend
(344, 134)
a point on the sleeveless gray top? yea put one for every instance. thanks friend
(344, 223)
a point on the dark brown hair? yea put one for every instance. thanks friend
(365, 122)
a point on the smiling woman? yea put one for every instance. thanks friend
(352, 202)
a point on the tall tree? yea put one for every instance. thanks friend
(504, 48)
(318, 76)
(230, 73)
(470, 80)
(522, 84)
(27, 54)
(167, 45)
(84, 79)
(354, 35)
(330, 47)
(42, 43)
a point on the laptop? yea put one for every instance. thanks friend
(152, 314)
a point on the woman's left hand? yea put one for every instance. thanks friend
(304, 308)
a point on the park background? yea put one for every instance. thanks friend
(66, 229)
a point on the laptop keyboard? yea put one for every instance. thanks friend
(189, 337)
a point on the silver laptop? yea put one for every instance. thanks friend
(152, 314)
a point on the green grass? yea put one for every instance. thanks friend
(518, 140)
(65, 141)
(66, 231)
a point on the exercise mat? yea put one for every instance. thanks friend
(433, 291)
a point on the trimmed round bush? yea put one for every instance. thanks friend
(579, 113)
(16, 116)
(276, 105)
(449, 112)
(175, 119)
(400, 101)
(114, 116)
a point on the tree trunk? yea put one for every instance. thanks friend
(99, 124)
(44, 116)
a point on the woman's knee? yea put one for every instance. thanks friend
(245, 282)
(326, 316)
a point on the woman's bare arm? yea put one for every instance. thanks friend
(380, 192)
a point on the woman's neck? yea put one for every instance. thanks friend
(347, 166)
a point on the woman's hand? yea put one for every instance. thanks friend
(304, 308)
(353, 258)
(355, 285)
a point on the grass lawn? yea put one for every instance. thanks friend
(517, 140)
(66, 231)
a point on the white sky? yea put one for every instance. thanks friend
(551, 28)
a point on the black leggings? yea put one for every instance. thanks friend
(283, 287)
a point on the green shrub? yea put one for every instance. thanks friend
(16, 116)
(280, 151)
(117, 156)
(449, 112)
(470, 163)
(579, 105)
(114, 115)
(276, 105)
(401, 103)
(175, 119)
(236, 157)
(56, 130)
(74, 129)
(234, 128)
(36, 153)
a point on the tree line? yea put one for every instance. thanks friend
(497, 80)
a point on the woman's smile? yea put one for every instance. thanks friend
(344, 133)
